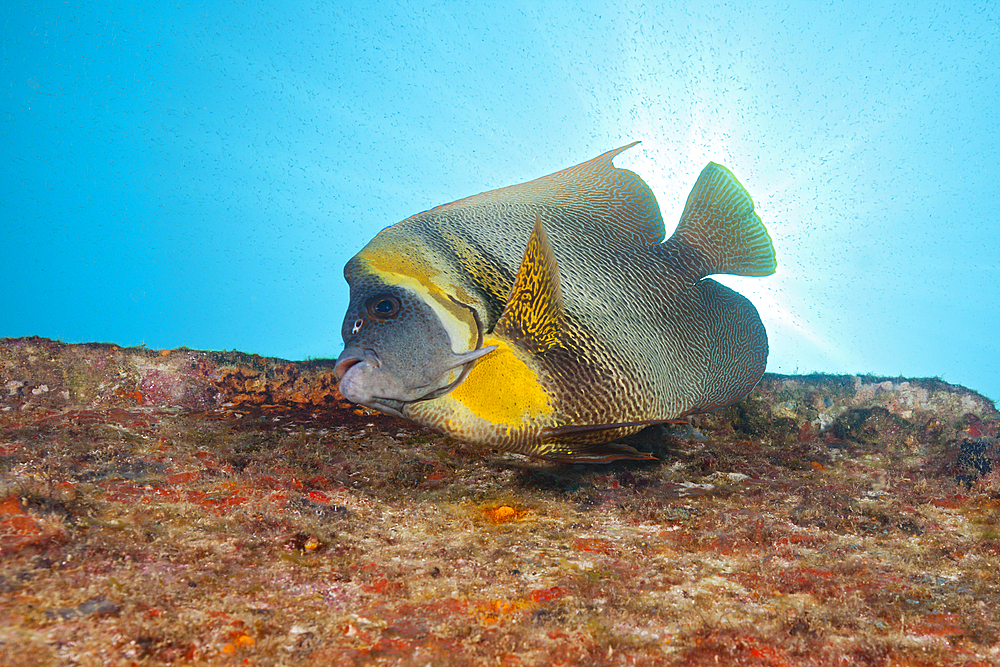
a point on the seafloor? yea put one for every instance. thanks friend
(218, 508)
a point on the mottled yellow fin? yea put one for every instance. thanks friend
(533, 316)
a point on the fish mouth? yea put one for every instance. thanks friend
(344, 365)
(350, 365)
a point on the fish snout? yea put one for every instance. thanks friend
(360, 382)
(352, 370)
(352, 356)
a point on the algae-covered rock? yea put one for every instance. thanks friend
(178, 506)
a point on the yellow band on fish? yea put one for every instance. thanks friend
(417, 276)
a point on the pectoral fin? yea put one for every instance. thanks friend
(603, 452)
(533, 316)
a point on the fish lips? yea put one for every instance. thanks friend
(353, 370)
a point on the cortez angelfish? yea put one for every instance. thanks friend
(551, 318)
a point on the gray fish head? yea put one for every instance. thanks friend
(396, 349)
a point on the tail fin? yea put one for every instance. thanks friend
(721, 227)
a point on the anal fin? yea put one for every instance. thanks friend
(600, 453)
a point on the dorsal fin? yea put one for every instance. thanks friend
(615, 201)
(533, 316)
(720, 224)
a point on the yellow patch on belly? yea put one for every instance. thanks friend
(502, 389)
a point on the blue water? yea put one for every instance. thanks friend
(198, 174)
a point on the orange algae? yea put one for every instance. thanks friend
(548, 594)
(241, 642)
(503, 514)
(15, 523)
(19, 529)
(594, 544)
(492, 612)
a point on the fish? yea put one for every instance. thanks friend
(553, 318)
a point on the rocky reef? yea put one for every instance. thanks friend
(186, 507)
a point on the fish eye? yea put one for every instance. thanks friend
(383, 306)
